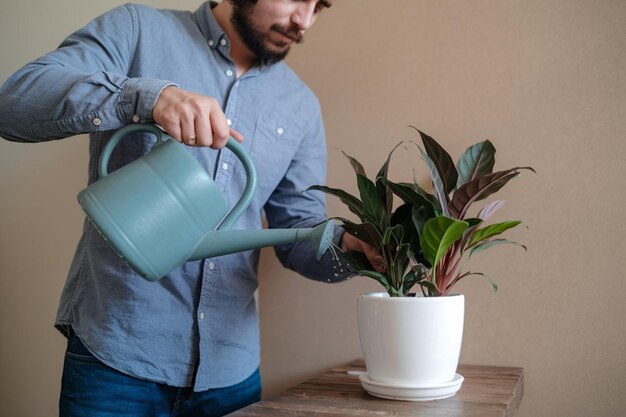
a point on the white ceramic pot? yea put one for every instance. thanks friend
(411, 341)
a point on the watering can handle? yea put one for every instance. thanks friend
(121, 134)
(248, 191)
(232, 144)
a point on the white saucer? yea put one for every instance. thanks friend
(411, 393)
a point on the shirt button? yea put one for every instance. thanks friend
(136, 119)
(201, 316)
(224, 166)
(211, 42)
(223, 42)
(280, 131)
(96, 122)
(211, 265)
(229, 73)
(229, 122)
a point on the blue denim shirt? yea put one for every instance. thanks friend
(198, 325)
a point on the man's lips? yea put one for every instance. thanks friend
(290, 36)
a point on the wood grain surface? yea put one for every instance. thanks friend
(487, 391)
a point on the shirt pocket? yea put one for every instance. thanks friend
(276, 140)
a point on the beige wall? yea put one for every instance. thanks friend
(544, 80)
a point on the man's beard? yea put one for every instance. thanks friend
(255, 40)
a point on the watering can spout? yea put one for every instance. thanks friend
(223, 242)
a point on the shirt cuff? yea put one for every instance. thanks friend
(139, 95)
(337, 235)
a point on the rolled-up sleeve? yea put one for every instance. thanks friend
(81, 86)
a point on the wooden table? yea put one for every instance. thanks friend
(488, 391)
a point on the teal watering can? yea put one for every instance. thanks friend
(164, 209)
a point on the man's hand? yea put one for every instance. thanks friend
(351, 243)
(193, 119)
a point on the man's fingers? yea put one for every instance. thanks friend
(204, 132)
(193, 119)
(238, 136)
(173, 129)
(220, 128)
(188, 130)
(374, 257)
(349, 242)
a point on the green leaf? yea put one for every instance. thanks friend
(419, 216)
(395, 231)
(409, 280)
(472, 221)
(356, 165)
(372, 203)
(401, 259)
(382, 280)
(419, 190)
(480, 188)
(367, 232)
(490, 231)
(400, 265)
(442, 161)
(430, 286)
(418, 270)
(476, 161)
(386, 196)
(468, 233)
(493, 284)
(486, 245)
(354, 204)
(438, 184)
(409, 195)
(377, 276)
(385, 168)
(356, 261)
(403, 216)
(383, 190)
(438, 235)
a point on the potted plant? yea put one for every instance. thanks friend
(424, 241)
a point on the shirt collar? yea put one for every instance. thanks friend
(216, 37)
(212, 31)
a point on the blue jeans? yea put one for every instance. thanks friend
(89, 388)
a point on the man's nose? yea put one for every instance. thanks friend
(304, 15)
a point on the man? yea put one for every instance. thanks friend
(187, 344)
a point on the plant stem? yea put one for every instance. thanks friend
(389, 265)
(453, 271)
(451, 262)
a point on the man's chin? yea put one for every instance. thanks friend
(276, 51)
(277, 46)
